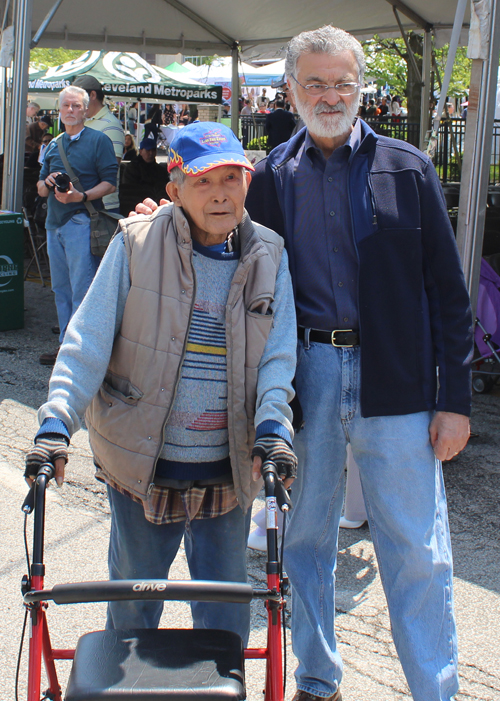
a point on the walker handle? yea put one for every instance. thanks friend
(46, 469)
(269, 470)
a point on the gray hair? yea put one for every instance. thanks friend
(177, 176)
(325, 40)
(75, 91)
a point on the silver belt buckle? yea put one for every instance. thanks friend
(341, 345)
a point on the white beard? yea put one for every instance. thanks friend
(324, 127)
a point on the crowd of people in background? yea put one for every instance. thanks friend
(384, 108)
(130, 127)
(138, 123)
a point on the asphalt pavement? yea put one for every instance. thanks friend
(78, 526)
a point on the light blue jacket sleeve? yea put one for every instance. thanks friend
(84, 355)
(277, 365)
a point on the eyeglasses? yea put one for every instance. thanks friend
(322, 89)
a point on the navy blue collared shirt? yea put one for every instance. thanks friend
(327, 262)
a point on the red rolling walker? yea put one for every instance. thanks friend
(154, 665)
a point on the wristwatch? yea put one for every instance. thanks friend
(84, 197)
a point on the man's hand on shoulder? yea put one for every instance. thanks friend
(449, 434)
(148, 206)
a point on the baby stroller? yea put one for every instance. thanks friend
(486, 363)
(157, 665)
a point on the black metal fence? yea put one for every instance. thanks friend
(252, 127)
(450, 150)
(399, 128)
(450, 144)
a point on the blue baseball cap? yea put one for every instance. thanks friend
(203, 146)
(148, 144)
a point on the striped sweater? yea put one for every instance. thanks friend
(196, 436)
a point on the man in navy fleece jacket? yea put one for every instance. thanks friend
(385, 342)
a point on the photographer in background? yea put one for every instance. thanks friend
(91, 156)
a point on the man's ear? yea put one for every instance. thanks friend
(173, 193)
(248, 175)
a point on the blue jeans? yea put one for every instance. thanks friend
(72, 266)
(215, 550)
(406, 505)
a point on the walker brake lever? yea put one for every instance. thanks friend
(282, 496)
(269, 469)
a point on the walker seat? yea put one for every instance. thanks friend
(153, 665)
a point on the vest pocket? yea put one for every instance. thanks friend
(258, 327)
(121, 388)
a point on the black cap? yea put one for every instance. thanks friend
(87, 82)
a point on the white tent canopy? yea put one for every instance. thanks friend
(222, 72)
(261, 28)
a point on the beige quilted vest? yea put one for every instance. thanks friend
(126, 418)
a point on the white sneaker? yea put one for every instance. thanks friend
(344, 523)
(257, 541)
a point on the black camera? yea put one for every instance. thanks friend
(63, 181)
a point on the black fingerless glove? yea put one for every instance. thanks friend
(279, 451)
(48, 448)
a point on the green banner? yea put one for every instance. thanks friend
(123, 75)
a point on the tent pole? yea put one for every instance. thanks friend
(3, 88)
(12, 196)
(477, 155)
(45, 23)
(426, 85)
(3, 107)
(235, 91)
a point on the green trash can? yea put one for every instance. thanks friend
(11, 271)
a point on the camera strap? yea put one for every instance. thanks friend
(74, 178)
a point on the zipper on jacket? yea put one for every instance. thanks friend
(354, 232)
(372, 200)
(177, 379)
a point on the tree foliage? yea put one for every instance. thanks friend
(460, 78)
(387, 62)
(46, 58)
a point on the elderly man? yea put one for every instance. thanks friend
(32, 110)
(185, 341)
(383, 364)
(91, 156)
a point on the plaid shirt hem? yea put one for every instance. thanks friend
(165, 505)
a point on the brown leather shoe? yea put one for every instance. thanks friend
(306, 696)
(48, 358)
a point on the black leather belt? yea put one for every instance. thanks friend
(340, 338)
